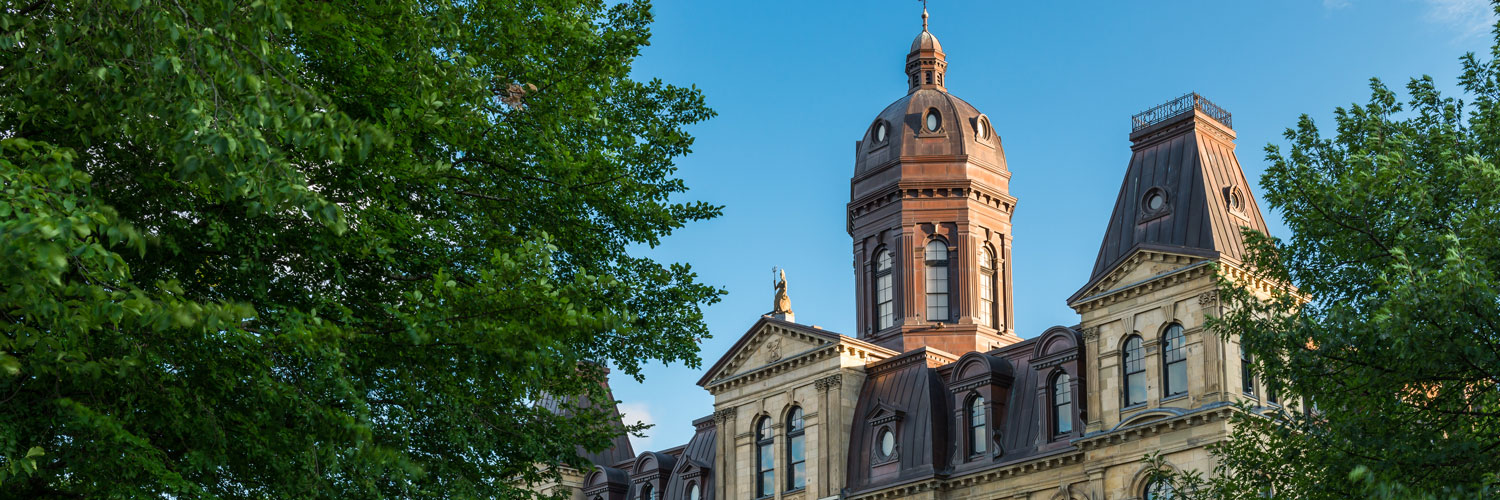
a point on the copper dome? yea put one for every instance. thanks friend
(962, 130)
(925, 40)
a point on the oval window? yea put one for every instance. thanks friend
(887, 442)
(933, 120)
(880, 133)
(984, 129)
(693, 492)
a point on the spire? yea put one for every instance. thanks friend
(926, 64)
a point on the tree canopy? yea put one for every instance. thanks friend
(1389, 335)
(329, 249)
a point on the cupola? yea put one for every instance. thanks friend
(926, 64)
(929, 210)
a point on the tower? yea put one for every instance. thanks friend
(929, 211)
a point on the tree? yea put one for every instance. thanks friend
(328, 249)
(1391, 334)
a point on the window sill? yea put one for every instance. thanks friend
(794, 491)
(1134, 407)
(1174, 397)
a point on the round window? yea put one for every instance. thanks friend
(887, 442)
(1234, 199)
(984, 129)
(933, 120)
(880, 133)
(1155, 199)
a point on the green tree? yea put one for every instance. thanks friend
(1391, 337)
(289, 249)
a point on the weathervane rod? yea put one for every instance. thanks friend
(924, 15)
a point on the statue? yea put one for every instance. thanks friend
(783, 303)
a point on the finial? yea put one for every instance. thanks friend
(924, 15)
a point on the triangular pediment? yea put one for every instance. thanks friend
(767, 343)
(1141, 266)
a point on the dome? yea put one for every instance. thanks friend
(960, 130)
(926, 41)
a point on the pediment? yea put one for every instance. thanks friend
(1142, 266)
(767, 343)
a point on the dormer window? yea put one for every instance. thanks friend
(983, 129)
(934, 120)
(880, 132)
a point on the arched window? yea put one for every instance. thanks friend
(987, 287)
(885, 305)
(1247, 378)
(937, 281)
(1157, 490)
(647, 493)
(1062, 404)
(796, 452)
(976, 426)
(1174, 361)
(693, 493)
(1135, 371)
(765, 459)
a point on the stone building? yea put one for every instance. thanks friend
(935, 396)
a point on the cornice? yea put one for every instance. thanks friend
(934, 189)
(798, 360)
(997, 473)
(1142, 287)
(1201, 416)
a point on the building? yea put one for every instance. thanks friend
(936, 396)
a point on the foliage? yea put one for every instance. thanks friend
(328, 249)
(1391, 336)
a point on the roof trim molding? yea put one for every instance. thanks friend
(1109, 283)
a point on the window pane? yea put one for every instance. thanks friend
(767, 458)
(794, 420)
(886, 307)
(796, 449)
(1136, 388)
(1064, 418)
(1177, 377)
(986, 299)
(976, 436)
(799, 475)
(883, 261)
(767, 483)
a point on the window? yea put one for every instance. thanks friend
(885, 306)
(934, 120)
(1062, 404)
(984, 128)
(1154, 201)
(1156, 490)
(647, 493)
(887, 443)
(693, 493)
(929, 80)
(987, 287)
(765, 478)
(1135, 372)
(1174, 361)
(1271, 396)
(796, 452)
(880, 132)
(976, 426)
(937, 281)
(1247, 378)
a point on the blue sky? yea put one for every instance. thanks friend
(796, 83)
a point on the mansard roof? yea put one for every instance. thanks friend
(1184, 151)
(620, 449)
(695, 464)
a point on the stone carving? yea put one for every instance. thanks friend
(1090, 334)
(724, 415)
(829, 382)
(1207, 298)
(773, 349)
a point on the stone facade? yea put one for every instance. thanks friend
(936, 396)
